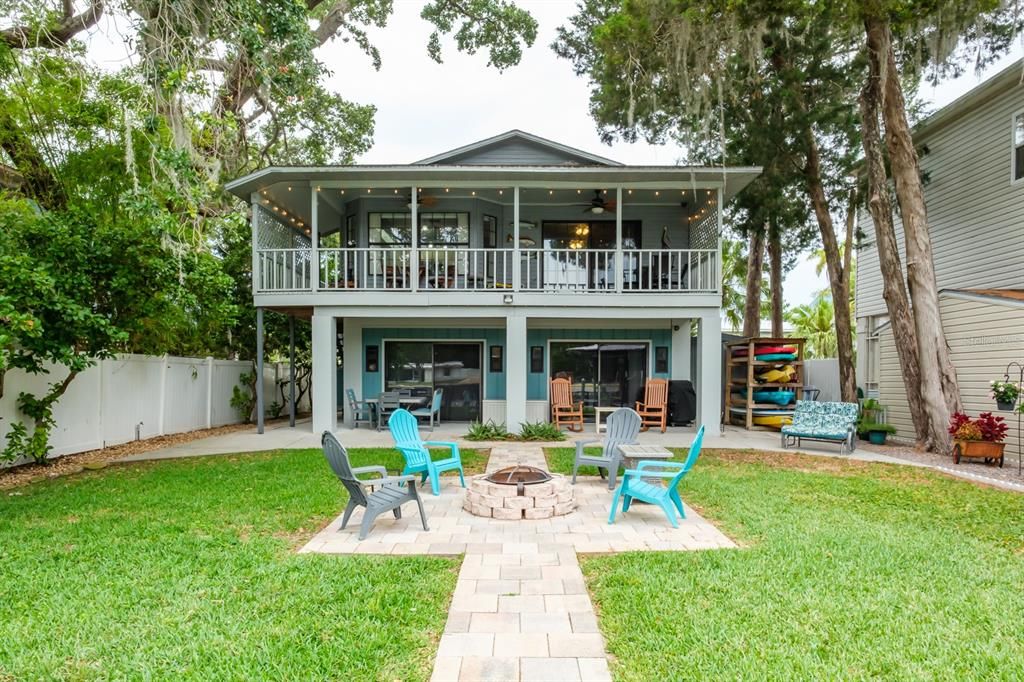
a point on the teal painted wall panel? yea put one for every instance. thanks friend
(537, 382)
(494, 382)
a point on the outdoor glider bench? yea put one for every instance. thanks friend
(824, 422)
(376, 495)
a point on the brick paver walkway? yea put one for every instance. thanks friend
(521, 609)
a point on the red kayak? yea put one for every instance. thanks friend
(765, 350)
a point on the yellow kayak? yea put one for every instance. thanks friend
(778, 376)
(774, 420)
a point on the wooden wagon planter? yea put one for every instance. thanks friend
(978, 449)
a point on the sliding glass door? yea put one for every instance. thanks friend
(422, 366)
(603, 374)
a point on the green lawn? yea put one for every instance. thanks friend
(849, 571)
(186, 569)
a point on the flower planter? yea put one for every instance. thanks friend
(978, 449)
(876, 437)
(1004, 407)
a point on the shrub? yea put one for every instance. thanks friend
(540, 431)
(868, 427)
(488, 431)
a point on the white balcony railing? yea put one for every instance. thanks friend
(472, 269)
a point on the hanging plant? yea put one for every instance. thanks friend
(1005, 393)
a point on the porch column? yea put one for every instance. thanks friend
(515, 371)
(709, 373)
(291, 370)
(517, 263)
(414, 259)
(259, 370)
(352, 362)
(314, 234)
(619, 263)
(681, 340)
(325, 372)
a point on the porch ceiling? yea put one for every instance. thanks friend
(679, 177)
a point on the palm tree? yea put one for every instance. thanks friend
(815, 321)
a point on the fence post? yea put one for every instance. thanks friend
(209, 391)
(163, 395)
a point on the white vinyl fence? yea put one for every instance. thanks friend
(136, 396)
(824, 375)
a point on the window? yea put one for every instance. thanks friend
(490, 232)
(1018, 147)
(390, 229)
(444, 229)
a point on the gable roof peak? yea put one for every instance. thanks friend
(571, 155)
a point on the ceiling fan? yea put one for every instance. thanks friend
(599, 204)
(421, 200)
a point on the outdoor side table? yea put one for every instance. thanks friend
(633, 454)
(599, 425)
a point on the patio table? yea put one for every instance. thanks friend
(633, 454)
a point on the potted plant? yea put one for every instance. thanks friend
(980, 438)
(1004, 393)
(875, 433)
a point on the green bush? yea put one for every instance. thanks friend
(488, 431)
(540, 431)
(867, 427)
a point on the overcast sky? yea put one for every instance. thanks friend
(424, 108)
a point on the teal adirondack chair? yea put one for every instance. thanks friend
(634, 487)
(406, 433)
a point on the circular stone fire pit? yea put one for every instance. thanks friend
(519, 492)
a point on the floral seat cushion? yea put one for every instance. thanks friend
(822, 420)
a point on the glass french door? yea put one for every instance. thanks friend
(422, 366)
(603, 374)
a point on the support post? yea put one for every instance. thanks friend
(291, 371)
(259, 370)
(257, 276)
(314, 234)
(517, 263)
(709, 373)
(620, 264)
(414, 259)
(325, 372)
(515, 371)
(682, 338)
(352, 362)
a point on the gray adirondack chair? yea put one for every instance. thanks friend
(388, 403)
(621, 428)
(386, 494)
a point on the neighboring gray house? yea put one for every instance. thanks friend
(528, 259)
(972, 154)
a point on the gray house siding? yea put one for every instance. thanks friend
(975, 213)
(515, 153)
(984, 335)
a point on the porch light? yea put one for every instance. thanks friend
(289, 189)
(507, 299)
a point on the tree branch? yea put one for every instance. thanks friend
(70, 25)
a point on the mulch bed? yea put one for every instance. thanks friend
(97, 459)
(977, 467)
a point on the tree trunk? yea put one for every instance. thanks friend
(775, 258)
(940, 390)
(893, 290)
(755, 272)
(838, 279)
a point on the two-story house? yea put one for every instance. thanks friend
(972, 159)
(489, 269)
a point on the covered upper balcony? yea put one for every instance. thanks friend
(449, 232)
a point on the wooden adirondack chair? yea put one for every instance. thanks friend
(622, 428)
(405, 431)
(633, 487)
(654, 408)
(563, 409)
(390, 494)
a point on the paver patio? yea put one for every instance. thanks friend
(520, 610)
